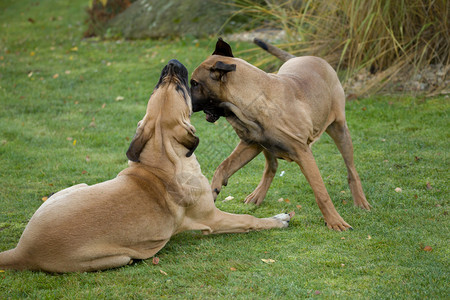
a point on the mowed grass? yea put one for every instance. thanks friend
(69, 108)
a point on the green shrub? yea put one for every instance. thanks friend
(100, 12)
(378, 35)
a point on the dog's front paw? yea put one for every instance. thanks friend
(284, 218)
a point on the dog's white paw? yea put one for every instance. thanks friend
(284, 218)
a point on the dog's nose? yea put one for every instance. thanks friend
(174, 67)
(174, 62)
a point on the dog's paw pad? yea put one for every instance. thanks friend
(284, 218)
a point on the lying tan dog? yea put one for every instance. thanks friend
(161, 193)
(281, 115)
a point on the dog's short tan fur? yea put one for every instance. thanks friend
(281, 115)
(161, 193)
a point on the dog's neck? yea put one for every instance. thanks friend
(163, 155)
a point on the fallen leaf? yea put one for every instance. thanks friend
(162, 272)
(428, 249)
(344, 202)
(228, 199)
(92, 124)
(103, 105)
(44, 199)
(233, 269)
(74, 49)
(31, 20)
(155, 260)
(364, 108)
(119, 98)
(342, 238)
(88, 159)
(317, 292)
(67, 72)
(299, 206)
(268, 260)
(69, 138)
(342, 265)
(55, 76)
(287, 200)
(84, 172)
(429, 187)
(398, 190)
(369, 237)
(280, 200)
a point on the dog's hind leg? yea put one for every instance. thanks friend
(338, 130)
(307, 163)
(241, 155)
(258, 195)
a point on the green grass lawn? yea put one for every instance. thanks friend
(69, 109)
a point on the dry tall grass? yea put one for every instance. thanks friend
(382, 36)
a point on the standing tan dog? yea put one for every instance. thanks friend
(281, 115)
(161, 193)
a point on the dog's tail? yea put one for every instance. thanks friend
(11, 259)
(281, 54)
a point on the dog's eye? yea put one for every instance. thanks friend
(194, 83)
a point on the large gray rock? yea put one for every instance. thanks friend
(160, 18)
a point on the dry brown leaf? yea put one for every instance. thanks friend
(229, 198)
(268, 260)
(428, 249)
(44, 199)
(155, 260)
(287, 200)
(162, 272)
(233, 269)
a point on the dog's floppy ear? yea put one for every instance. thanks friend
(185, 135)
(220, 69)
(136, 146)
(223, 49)
(192, 144)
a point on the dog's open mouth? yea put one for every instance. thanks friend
(213, 113)
(211, 116)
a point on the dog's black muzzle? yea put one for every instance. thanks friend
(177, 69)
